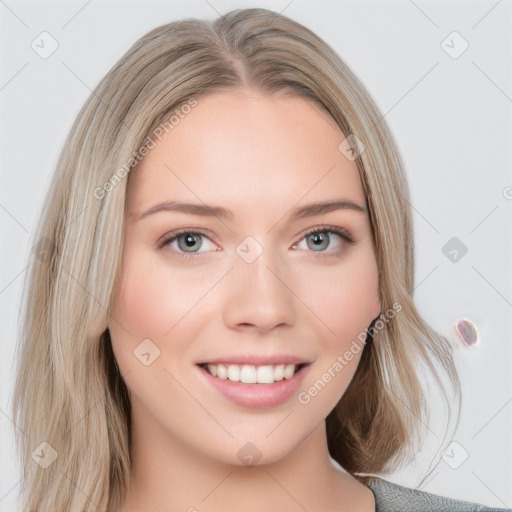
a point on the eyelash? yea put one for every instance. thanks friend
(170, 237)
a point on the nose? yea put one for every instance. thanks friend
(259, 295)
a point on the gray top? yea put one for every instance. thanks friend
(390, 497)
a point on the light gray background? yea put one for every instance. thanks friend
(452, 121)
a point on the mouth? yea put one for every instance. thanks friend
(253, 374)
(255, 382)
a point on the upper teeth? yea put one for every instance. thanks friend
(249, 374)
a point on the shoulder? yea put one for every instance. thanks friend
(391, 497)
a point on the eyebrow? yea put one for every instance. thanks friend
(205, 210)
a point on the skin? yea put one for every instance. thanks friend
(260, 156)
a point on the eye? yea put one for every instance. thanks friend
(185, 241)
(318, 239)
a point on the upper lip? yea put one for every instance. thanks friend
(257, 359)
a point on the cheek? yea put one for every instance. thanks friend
(153, 301)
(152, 304)
(344, 297)
(346, 301)
(141, 305)
(143, 309)
(159, 302)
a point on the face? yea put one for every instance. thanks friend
(246, 290)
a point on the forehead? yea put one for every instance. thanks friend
(246, 150)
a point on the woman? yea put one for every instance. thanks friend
(220, 303)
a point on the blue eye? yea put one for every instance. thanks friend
(320, 237)
(190, 241)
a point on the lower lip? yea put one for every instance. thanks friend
(257, 396)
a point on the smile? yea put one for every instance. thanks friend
(252, 374)
(254, 386)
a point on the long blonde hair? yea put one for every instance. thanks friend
(68, 390)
